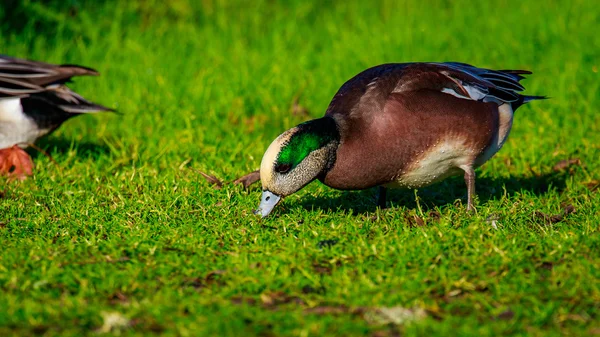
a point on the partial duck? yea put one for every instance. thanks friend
(34, 101)
(398, 125)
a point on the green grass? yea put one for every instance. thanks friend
(124, 224)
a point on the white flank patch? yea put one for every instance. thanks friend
(15, 126)
(505, 124)
(11, 110)
(438, 162)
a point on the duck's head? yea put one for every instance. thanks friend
(295, 158)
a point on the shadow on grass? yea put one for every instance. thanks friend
(445, 192)
(59, 145)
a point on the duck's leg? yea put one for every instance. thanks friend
(470, 181)
(381, 198)
(16, 162)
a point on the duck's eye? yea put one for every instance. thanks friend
(282, 168)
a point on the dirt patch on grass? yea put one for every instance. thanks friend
(593, 185)
(118, 298)
(552, 219)
(567, 163)
(327, 243)
(211, 278)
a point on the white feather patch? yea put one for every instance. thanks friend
(475, 93)
(440, 161)
(15, 126)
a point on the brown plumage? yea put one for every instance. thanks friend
(376, 152)
(399, 125)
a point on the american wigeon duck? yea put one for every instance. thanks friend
(397, 125)
(34, 101)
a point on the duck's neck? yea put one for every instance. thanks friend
(324, 128)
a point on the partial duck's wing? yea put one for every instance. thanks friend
(368, 91)
(500, 86)
(63, 98)
(19, 78)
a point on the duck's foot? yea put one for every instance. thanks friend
(15, 162)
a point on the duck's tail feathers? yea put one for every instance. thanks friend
(525, 99)
(87, 107)
(71, 102)
(67, 100)
(76, 70)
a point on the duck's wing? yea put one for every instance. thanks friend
(60, 97)
(19, 77)
(368, 91)
(500, 86)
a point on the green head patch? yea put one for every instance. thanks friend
(310, 136)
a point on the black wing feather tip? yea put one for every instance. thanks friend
(516, 72)
(530, 98)
(81, 109)
(86, 70)
(507, 84)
